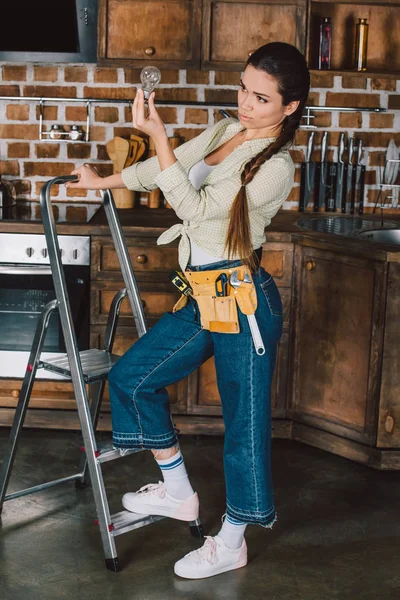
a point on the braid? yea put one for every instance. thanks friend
(238, 239)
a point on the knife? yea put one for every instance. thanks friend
(353, 187)
(350, 151)
(341, 173)
(319, 197)
(307, 175)
(360, 177)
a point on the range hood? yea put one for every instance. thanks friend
(48, 31)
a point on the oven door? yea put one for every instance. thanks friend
(24, 292)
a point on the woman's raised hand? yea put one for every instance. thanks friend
(151, 124)
(88, 178)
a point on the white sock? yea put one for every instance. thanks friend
(232, 532)
(175, 476)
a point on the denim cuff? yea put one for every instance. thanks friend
(136, 440)
(265, 519)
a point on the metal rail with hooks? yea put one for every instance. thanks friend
(89, 101)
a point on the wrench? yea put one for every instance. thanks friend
(254, 329)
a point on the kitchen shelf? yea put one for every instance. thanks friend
(383, 34)
(368, 73)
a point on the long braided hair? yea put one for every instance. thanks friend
(288, 66)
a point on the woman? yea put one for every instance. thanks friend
(225, 185)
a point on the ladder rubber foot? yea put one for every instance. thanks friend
(112, 564)
(80, 485)
(197, 530)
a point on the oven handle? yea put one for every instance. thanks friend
(36, 270)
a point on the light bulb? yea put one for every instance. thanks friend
(150, 77)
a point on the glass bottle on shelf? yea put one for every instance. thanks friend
(325, 43)
(361, 45)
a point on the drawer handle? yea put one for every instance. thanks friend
(150, 51)
(141, 259)
(144, 304)
(310, 265)
(15, 393)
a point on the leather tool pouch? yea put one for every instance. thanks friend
(219, 313)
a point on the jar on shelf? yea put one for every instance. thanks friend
(75, 133)
(56, 132)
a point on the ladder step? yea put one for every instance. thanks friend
(125, 521)
(96, 364)
(109, 453)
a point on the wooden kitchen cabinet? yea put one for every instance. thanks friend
(341, 332)
(165, 33)
(195, 33)
(232, 29)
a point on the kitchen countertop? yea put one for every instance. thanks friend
(145, 222)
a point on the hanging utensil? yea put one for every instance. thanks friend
(360, 180)
(353, 187)
(350, 167)
(319, 197)
(341, 173)
(307, 175)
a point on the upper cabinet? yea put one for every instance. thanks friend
(232, 29)
(220, 34)
(163, 32)
(213, 34)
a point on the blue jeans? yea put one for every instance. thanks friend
(175, 347)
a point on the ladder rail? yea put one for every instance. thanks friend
(124, 261)
(77, 377)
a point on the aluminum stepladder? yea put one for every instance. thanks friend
(86, 367)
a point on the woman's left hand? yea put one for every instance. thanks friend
(151, 124)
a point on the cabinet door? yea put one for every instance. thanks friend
(166, 32)
(232, 29)
(337, 339)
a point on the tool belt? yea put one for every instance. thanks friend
(218, 300)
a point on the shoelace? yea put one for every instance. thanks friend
(207, 552)
(153, 488)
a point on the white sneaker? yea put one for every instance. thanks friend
(212, 558)
(153, 499)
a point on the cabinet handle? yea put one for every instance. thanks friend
(141, 259)
(15, 393)
(310, 265)
(389, 424)
(150, 51)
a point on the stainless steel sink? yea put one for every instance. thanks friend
(348, 226)
(381, 236)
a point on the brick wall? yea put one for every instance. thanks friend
(28, 162)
